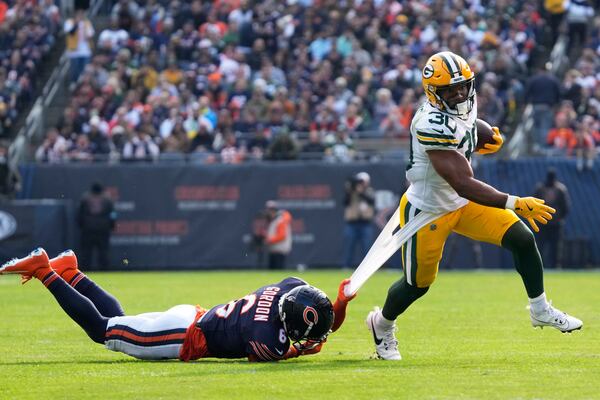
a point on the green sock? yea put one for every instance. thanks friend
(528, 262)
(400, 296)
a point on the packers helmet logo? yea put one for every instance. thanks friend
(310, 316)
(428, 71)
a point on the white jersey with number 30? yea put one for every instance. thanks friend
(432, 129)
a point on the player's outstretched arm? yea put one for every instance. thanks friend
(339, 310)
(340, 304)
(456, 170)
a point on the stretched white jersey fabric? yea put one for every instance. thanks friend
(432, 129)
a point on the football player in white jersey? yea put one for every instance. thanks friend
(443, 136)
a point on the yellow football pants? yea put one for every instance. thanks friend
(422, 253)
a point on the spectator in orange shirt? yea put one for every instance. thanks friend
(562, 136)
(215, 91)
(278, 237)
(213, 28)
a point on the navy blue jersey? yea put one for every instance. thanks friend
(250, 325)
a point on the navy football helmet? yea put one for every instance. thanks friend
(307, 314)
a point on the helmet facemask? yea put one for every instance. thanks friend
(461, 109)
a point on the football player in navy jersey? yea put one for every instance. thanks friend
(276, 322)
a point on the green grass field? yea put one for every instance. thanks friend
(469, 337)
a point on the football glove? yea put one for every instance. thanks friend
(490, 148)
(309, 347)
(341, 295)
(531, 209)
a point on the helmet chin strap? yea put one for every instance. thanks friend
(461, 109)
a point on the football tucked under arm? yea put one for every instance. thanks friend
(489, 139)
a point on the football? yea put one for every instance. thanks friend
(484, 133)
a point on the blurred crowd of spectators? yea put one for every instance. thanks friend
(574, 102)
(28, 30)
(232, 80)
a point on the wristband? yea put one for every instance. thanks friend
(510, 202)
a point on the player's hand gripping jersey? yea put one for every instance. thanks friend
(250, 326)
(432, 129)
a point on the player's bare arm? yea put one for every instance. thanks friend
(456, 170)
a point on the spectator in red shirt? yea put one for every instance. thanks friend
(3, 9)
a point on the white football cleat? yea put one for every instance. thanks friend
(555, 318)
(386, 344)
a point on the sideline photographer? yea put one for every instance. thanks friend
(359, 202)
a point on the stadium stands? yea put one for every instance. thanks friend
(238, 81)
(194, 76)
(28, 31)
